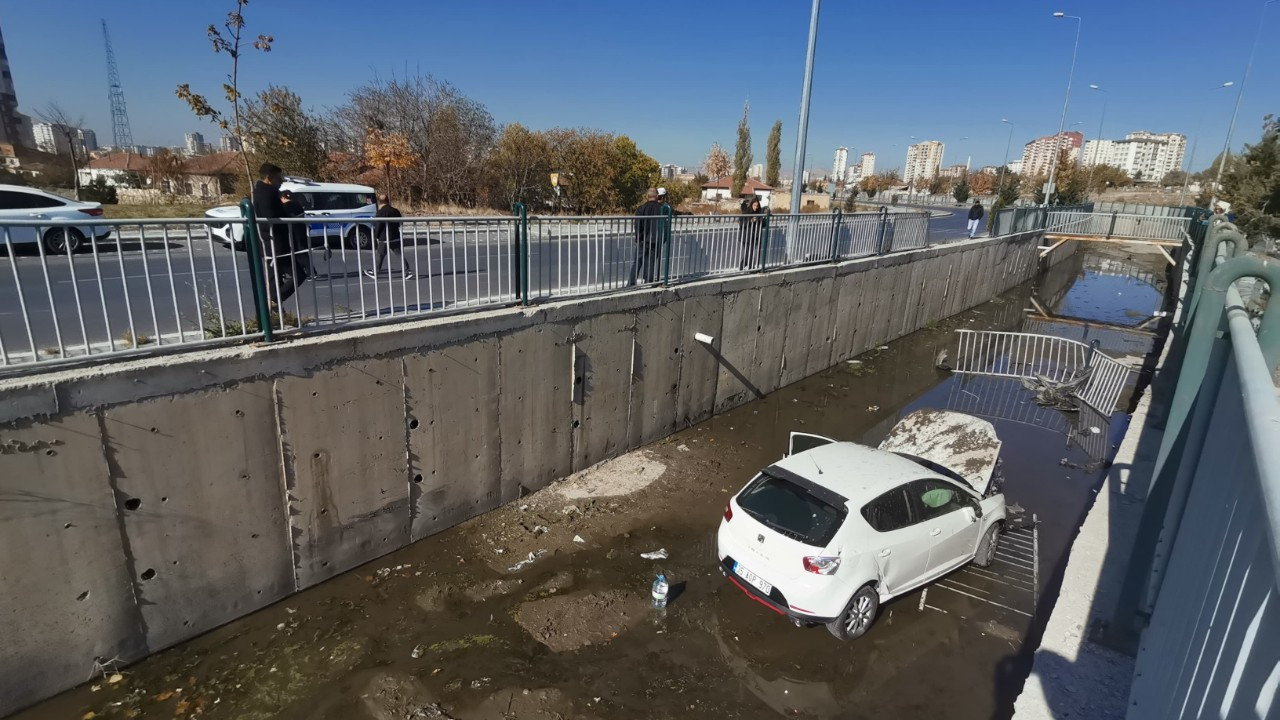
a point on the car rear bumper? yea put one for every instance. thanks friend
(775, 601)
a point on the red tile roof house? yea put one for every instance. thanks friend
(722, 189)
(205, 176)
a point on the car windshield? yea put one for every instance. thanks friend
(790, 509)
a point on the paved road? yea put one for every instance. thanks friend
(182, 286)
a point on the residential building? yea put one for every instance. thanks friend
(722, 189)
(954, 171)
(923, 160)
(53, 138)
(203, 176)
(757, 171)
(1143, 155)
(866, 165)
(15, 128)
(228, 143)
(841, 164)
(9, 157)
(193, 144)
(1038, 155)
(1015, 166)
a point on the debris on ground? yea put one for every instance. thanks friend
(1058, 395)
(578, 539)
(569, 622)
(417, 651)
(533, 556)
(660, 554)
(682, 448)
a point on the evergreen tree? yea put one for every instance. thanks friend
(1252, 184)
(961, 191)
(742, 154)
(773, 158)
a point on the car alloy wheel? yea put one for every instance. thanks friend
(987, 548)
(59, 241)
(359, 238)
(857, 619)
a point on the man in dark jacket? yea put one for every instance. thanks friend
(295, 265)
(385, 233)
(274, 237)
(975, 217)
(648, 227)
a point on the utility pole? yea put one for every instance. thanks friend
(1050, 191)
(802, 131)
(121, 135)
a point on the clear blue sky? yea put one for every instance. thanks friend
(673, 75)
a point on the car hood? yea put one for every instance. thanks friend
(223, 211)
(963, 444)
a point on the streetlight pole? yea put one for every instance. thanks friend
(1101, 118)
(1057, 145)
(1004, 166)
(1226, 146)
(802, 132)
(1190, 162)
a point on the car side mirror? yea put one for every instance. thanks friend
(976, 507)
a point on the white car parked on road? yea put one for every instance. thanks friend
(24, 203)
(334, 206)
(835, 528)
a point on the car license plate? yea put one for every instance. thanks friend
(755, 580)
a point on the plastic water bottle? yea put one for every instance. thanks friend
(660, 592)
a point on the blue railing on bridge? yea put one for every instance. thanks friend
(1212, 646)
(136, 287)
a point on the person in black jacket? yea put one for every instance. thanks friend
(274, 237)
(750, 231)
(975, 217)
(386, 233)
(648, 227)
(295, 263)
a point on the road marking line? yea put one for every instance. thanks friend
(982, 599)
(944, 612)
(924, 594)
(992, 578)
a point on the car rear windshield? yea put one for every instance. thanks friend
(789, 508)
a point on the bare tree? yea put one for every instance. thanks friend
(717, 163)
(69, 129)
(231, 41)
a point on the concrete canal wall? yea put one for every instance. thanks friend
(145, 502)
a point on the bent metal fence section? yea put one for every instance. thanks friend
(1043, 357)
(132, 287)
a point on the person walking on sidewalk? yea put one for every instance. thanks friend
(273, 236)
(750, 230)
(385, 233)
(295, 261)
(975, 218)
(648, 227)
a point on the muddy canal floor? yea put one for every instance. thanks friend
(540, 610)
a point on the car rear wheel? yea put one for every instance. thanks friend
(857, 618)
(359, 238)
(59, 241)
(987, 548)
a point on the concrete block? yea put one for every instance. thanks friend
(699, 366)
(737, 348)
(655, 373)
(19, 402)
(771, 337)
(66, 582)
(795, 349)
(911, 310)
(604, 346)
(344, 431)
(454, 448)
(848, 289)
(822, 326)
(535, 416)
(199, 477)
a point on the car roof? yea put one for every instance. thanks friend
(303, 185)
(857, 472)
(42, 193)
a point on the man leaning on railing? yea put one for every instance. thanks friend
(648, 228)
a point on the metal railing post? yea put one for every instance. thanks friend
(835, 234)
(666, 244)
(764, 240)
(521, 251)
(1112, 230)
(257, 274)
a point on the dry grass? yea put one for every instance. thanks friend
(130, 212)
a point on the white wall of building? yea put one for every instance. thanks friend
(841, 164)
(923, 160)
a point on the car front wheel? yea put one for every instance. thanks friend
(857, 618)
(359, 238)
(987, 548)
(59, 241)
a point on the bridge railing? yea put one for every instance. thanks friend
(1118, 225)
(1213, 642)
(135, 287)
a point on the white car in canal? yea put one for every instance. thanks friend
(834, 529)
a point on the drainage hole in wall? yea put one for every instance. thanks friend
(324, 564)
(164, 499)
(83, 596)
(175, 562)
(154, 430)
(379, 437)
(316, 456)
(67, 526)
(148, 574)
(239, 413)
(50, 452)
(324, 511)
(417, 478)
(254, 536)
(576, 423)
(186, 623)
(133, 503)
(413, 424)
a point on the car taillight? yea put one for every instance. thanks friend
(728, 511)
(96, 212)
(821, 565)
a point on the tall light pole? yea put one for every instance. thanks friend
(1005, 166)
(1226, 146)
(802, 131)
(1101, 118)
(1057, 145)
(1195, 140)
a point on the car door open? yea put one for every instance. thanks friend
(799, 442)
